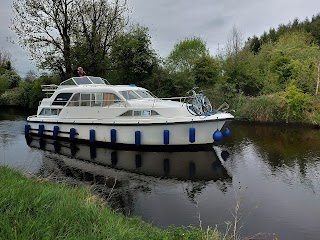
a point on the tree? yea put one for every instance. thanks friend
(294, 57)
(182, 60)
(185, 53)
(4, 84)
(132, 56)
(206, 71)
(100, 23)
(45, 28)
(31, 75)
(5, 61)
(49, 29)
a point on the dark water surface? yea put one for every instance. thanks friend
(273, 170)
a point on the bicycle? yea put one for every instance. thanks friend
(200, 104)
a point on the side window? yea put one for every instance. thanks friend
(61, 99)
(74, 100)
(85, 99)
(109, 99)
(96, 99)
(49, 112)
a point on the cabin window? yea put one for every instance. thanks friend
(74, 100)
(49, 112)
(93, 99)
(96, 99)
(62, 99)
(139, 113)
(154, 113)
(85, 99)
(109, 99)
(126, 114)
(136, 113)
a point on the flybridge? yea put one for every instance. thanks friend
(84, 81)
(73, 82)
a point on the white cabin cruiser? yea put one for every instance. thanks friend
(89, 108)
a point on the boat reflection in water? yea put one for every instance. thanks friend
(130, 171)
(196, 166)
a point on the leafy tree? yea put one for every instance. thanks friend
(5, 61)
(132, 57)
(240, 70)
(45, 28)
(206, 71)
(161, 83)
(100, 23)
(48, 29)
(293, 57)
(297, 103)
(182, 60)
(185, 53)
(4, 84)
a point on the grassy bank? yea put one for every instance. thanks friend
(34, 208)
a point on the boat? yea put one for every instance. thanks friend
(91, 109)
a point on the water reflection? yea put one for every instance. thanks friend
(117, 169)
(195, 166)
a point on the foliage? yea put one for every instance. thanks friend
(5, 61)
(161, 83)
(310, 26)
(27, 93)
(49, 29)
(132, 57)
(31, 75)
(267, 108)
(101, 22)
(206, 71)
(185, 54)
(297, 104)
(4, 83)
(188, 62)
(289, 106)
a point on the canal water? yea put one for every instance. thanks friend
(272, 172)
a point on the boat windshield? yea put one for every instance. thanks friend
(144, 93)
(130, 94)
(136, 94)
(84, 80)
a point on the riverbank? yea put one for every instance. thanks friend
(35, 208)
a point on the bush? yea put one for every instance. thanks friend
(268, 108)
(297, 104)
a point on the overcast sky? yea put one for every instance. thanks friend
(172, 20)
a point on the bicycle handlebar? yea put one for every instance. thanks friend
(192, 90)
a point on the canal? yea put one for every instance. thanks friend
(271, 171)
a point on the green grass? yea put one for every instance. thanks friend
(32, 208)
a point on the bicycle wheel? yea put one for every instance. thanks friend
(206, 105)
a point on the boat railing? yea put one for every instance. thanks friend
(106, 102)
(182, 100)
(49, 89)
(86, 103)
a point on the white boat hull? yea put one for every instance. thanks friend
(150, 134)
